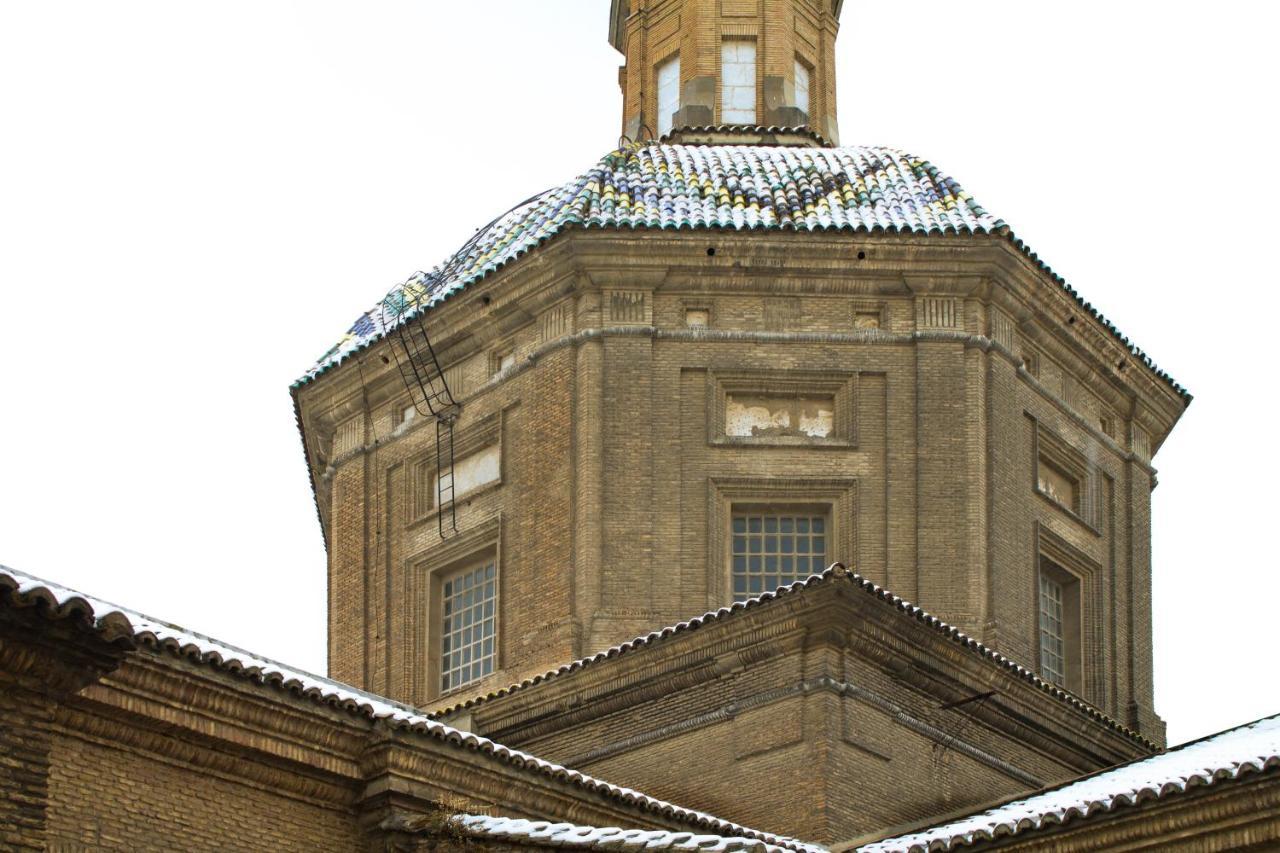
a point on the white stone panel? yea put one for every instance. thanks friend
(477, 470)
(668, 93)
(738, 81)
(802, 86)
(760, 416)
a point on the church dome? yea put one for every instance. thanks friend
(857, 188)
(673, 187)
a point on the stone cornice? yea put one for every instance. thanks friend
(774, 263)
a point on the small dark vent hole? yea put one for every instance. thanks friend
(386, 360)
(1071, 321)
(711, 251)
(862, 256)
(486, 299)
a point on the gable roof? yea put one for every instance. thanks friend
(730, 187)
(117, 624)
(836, 573)
(1229, 755)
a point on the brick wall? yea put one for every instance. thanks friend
(104, 797)
(611, 518)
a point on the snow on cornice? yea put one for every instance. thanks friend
(1229, 755)
(541, 833)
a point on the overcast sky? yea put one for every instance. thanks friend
(197, 198)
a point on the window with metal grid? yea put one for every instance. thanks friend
(467, 634)
(1053, 654)
(772, 550)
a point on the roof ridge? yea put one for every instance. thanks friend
(834, 571)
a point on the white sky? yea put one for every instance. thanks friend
(197, 199)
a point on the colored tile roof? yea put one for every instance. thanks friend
(541, 833)
(836, 573)
(1229, 755)
(734, 187)
(120, 624)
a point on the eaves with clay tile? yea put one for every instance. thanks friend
(1208, 765)
(130, 629)
(914, 621)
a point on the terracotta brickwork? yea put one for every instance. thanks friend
(110, 741)
(954, 366)
(41, 665)
(108, 796)
(794, 698)
(784, 32)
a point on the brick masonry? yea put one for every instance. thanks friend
(611, 517)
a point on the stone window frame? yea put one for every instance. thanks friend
(421, 498)
(426, 573)
(837, 495)
(1069, 566)
(1051, 449)
(841, 387)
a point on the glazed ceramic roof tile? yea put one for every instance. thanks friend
(735, 187)
(120, 624)
(541, 833)
(1250, 748)
(836, 573)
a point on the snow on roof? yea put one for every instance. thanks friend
(1228, 755)
(836, 570)
(546, 834)
(694, 187)
(114, 621)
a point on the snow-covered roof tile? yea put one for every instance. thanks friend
(835, 573)
(1225, 756)
(115, 622)
(733, 187)
(543, 833)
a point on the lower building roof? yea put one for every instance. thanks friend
(836, 573)
(121, 624)
(1230, 755)
(542, 833)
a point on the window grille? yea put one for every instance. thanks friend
(1053, 656)
(771, 550)
(467, 634)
